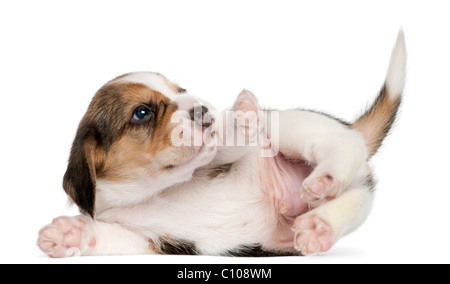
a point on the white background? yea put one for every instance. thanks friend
(326, 55)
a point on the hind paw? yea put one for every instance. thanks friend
(313, 235)
(317, 190)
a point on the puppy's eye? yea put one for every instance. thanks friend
(142, 114)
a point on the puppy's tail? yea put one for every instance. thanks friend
(375, 123)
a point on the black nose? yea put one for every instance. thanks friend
(198, 115)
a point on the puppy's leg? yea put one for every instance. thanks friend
(80, 235)
(334, 150)
(241, 128)
(318, 230)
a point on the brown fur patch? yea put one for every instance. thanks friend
(376, 122)
(138, 146)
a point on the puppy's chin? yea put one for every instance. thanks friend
(176, 156)
(189, 140)
(201, 152)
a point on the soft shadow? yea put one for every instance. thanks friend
(344, 251)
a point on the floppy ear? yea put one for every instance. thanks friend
(80, 178)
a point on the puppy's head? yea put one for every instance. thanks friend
(127, 134)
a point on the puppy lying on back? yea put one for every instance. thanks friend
(154, 170)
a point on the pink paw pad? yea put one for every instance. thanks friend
(246, 101)
(312, 235)
(62, 238)
(247, 114)
(318, 189)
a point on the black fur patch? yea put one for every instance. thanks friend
(220, 170)
(258, 251)
(80, 177)
(370, 182)
(171, 246)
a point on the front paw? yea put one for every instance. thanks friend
(248, 117)
(65, 237)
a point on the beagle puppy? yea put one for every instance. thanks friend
(155, 170)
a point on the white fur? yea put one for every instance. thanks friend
(111, 239)
(152, 80)
(396, 75)
(217, 216)
(325, 143)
